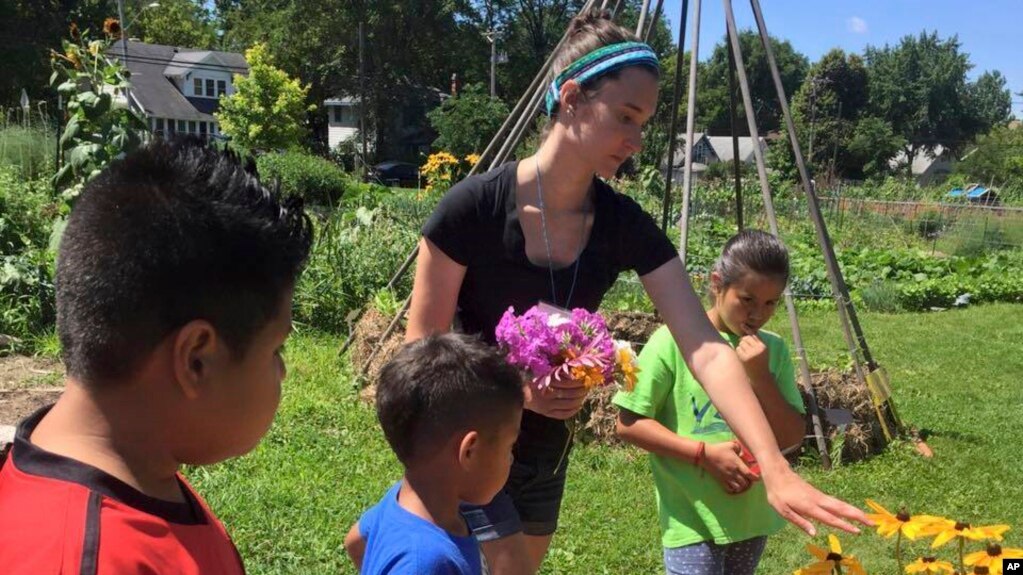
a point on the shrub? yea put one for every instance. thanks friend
(27, 213)
(357, 251)
(316, 180)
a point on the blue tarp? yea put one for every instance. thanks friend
(977, 192)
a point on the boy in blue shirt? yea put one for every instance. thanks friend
(450, 408)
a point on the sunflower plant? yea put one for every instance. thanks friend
(100, 124)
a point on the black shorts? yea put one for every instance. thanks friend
(529, 503)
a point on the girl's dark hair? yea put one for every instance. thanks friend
(753, 251)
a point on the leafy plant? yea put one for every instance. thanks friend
(315, 179)
(267, 110)
(101, 125)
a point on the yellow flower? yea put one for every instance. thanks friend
(626, 359)
(889, 524)
(473, 159)
(946, 530)
(828, 560)
(992, 556)
(929, 565)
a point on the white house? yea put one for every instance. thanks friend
(713, 149)
(177, 90)
(927, 167)
(342, 120)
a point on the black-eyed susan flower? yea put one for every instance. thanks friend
(903, 523)
(828, 560)
(945, 530)
(929, 565)
(992, 557)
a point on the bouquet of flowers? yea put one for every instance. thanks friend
(552, 344)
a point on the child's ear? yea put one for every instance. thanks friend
(195, 346)
(715, 283)
(468, 447)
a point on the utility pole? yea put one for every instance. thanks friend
(362, 101)
(124, 49)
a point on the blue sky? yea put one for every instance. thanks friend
(990, 31)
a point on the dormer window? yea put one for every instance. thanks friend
(209, 87)
(221, 88)
(197, 86)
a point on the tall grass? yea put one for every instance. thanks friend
(28, 142)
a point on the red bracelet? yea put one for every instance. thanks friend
(699, 453)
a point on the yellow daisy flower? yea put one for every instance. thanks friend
(946, 530)
(829, 559)
(929, 565)
(992, 556)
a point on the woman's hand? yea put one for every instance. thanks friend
(723, 462)
(798, 502)
(561, 400)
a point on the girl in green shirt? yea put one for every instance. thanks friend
(713, 509)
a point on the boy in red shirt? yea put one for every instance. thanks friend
(174, 282)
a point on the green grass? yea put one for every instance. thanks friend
(955, 373)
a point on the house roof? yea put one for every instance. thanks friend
(923, 160)
(150, 65)
(721, 145)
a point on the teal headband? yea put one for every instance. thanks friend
(600, 62)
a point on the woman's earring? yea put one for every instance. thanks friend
(571, 112)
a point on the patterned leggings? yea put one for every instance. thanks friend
(709, 558)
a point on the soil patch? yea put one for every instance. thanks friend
(26, 384)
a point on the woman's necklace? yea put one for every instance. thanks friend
(547, 243)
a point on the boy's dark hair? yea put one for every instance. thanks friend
(175, 231)
(442, 384)
(752, 251)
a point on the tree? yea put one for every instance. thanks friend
(990, 102)
(919, 87)
(184, 23)
(826, 110)
(29, 29)
(466, 123)
(712, 94)
(997, 160)
(267, 110)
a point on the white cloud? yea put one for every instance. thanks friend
(856, 25)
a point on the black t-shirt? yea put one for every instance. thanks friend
(477, 225)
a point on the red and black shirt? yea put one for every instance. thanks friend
(62, 516)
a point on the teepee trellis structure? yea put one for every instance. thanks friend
(867, 372)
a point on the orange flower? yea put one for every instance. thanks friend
(929, 565)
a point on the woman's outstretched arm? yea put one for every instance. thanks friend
(716, 366)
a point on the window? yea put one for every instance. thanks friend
(209, 87)
(197, 86)
(159, 126)
(202, 129)
(182, 126)
(191, 127)
(213, 128)
(221, 88)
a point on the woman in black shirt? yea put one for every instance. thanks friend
(547, 228)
